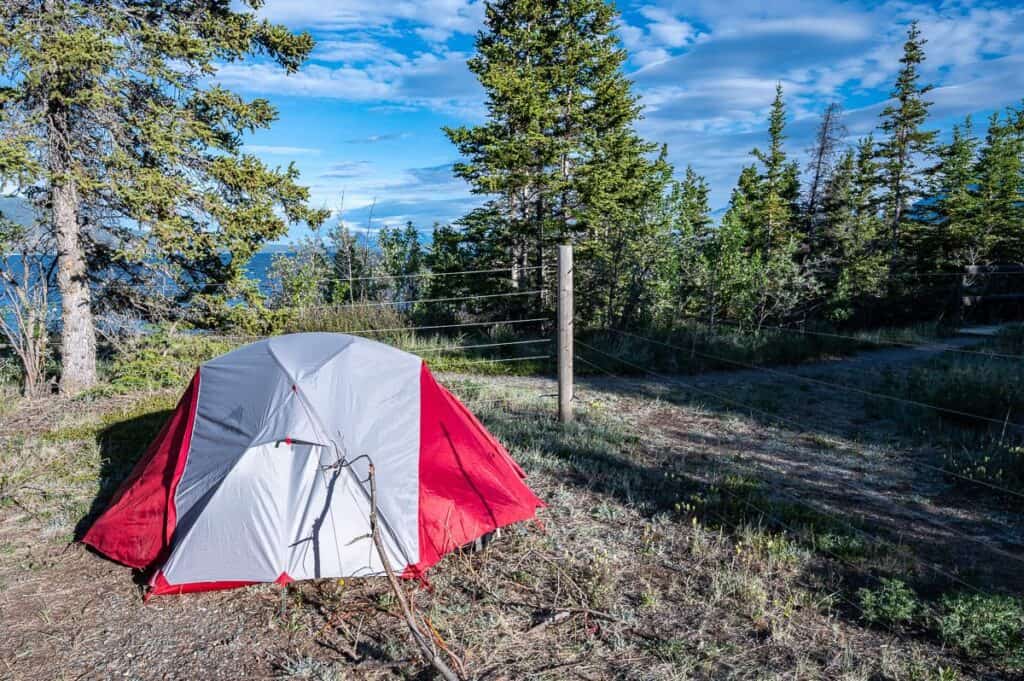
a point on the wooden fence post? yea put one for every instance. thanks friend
(565, 331)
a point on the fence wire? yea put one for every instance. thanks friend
(818, 381)
(942, 347)
(934, 567)
(798, 426)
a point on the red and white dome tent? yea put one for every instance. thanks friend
(259, 475)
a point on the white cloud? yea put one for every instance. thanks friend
(443, 17)
(365, 50)
(436, 81)
(272, 150)
(667, 29)
(346, 169)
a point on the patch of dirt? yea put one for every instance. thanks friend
(613, 583)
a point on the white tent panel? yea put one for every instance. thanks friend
(368, 398)
(282, 508)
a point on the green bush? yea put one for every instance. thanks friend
(983, 626)
(163, 359)
(893, 604)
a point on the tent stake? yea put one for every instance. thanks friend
(421, 640)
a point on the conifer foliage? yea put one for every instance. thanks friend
(119, 133)
(559, 157)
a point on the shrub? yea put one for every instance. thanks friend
(893, 604)
(163, 359)
(984, 626)
(343, 318)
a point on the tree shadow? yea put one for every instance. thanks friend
(122, 444)
(748, 477)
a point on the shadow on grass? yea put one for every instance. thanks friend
(849, 544)
(122, 444)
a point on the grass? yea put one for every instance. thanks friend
(665, 566)
(979, 626)
(985, 441)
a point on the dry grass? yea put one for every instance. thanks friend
(679, 543)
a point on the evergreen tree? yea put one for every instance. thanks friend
(558, 154)
(778, 190)
(764, 208)
(999, 234)
(947, 233)
(685, 280)
(905, 141)
(744, 203)
(694, 207)
(478, 241)
(728, 284)
(112, 109)
(849, 261)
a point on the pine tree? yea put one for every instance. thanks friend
(115, 114)
(860, 257)
(764, 207)
(729, 284)
(684, 281)
(905, 141)
(849, 261)
(1000, 175)
(694, 207)
(779, 185)
(947, 234)
(744, 202)
(558, 154)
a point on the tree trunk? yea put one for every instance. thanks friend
(78, 334)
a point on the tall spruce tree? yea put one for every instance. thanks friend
(694, 205)
(778, 192)
(558, 153)
(685, 280)
(112, 107)
(948, 235)
(905, 141)
(850, 261)
(1000, 177)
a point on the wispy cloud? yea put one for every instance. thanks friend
(374, 139)
(442, 18)
(346, 169)
(427, 80)
(705, 70)
(272, 150)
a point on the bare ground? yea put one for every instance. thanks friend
(642, 567)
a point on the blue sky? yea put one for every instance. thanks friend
(363, 117)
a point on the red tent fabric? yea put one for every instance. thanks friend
(137, 526)
(258, 475)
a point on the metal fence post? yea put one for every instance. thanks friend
(565, 329)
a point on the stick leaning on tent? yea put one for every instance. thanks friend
(429, 652)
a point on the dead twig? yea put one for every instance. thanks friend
(418, 637)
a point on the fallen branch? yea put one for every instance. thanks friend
(418, 637)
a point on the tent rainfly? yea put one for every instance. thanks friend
(260, 473)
